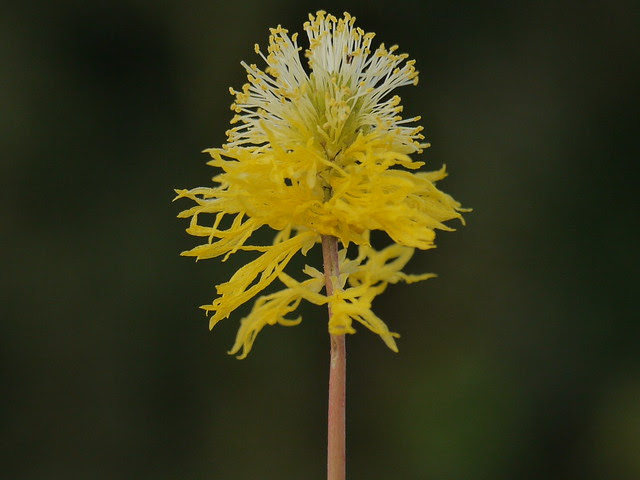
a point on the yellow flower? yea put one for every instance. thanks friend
(318, 151)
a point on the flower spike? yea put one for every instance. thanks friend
(313, 152)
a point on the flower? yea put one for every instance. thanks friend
(318, 151)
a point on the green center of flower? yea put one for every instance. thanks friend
(339, 113)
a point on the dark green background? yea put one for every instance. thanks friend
(519, 362)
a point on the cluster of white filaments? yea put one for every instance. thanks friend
(345, 94)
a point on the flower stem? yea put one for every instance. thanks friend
(336, 450)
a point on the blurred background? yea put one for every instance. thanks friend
(520, 360)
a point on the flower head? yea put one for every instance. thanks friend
(318, 151)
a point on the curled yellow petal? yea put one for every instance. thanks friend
(271, 310)
(255, 276)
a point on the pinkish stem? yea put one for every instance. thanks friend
(336, 445)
